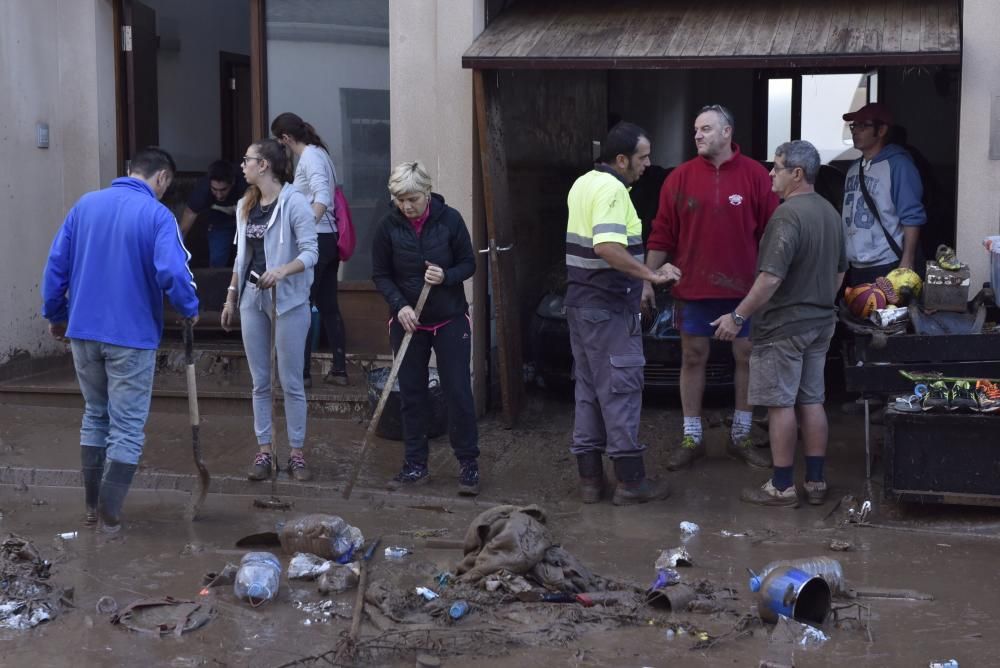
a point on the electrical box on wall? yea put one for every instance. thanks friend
(42, 135)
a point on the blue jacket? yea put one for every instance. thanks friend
(118, 251)
(894, 184)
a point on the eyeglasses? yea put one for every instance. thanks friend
(862, 126)
(247, 158)
(727, 116)
(778, 169)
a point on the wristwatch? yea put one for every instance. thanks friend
(737, 318)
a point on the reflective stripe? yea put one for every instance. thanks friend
(579, 240)
(610, 228)
(585, 263)
(596, 263)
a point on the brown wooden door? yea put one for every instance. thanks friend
(138, 41)
(501, 250)
(236, 105)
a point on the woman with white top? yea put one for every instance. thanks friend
(316, 178)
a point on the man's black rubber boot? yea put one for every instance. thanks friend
(92, 468)
(591, 468)
(633, 485)
(114, 488)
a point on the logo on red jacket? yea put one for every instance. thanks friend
(736, 200)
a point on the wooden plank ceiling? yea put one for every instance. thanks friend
(629, 34)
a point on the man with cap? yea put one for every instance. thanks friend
(883, 212)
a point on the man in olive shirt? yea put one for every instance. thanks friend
(800, 267)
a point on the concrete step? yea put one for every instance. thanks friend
(223, 379)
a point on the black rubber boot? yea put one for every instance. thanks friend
(633, 485)
(92, 468)
(114, 487)
(591, 468)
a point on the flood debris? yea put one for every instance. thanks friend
(327, 536)
(397, 552)
(224, 578)
(674, 557)
(339, 578)
(164, 616)
(106, 606)
(27, 598)
(304, 566)
(689, 528)
(837, 545)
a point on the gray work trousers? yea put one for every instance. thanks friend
(608, 365)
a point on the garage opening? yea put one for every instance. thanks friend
(561, 73)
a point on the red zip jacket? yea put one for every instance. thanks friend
(710, 222)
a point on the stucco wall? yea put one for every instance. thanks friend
(54, 55)
(978, 176)
(433, 122)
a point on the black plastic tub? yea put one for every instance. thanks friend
(390, 425)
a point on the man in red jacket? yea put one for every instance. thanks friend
(712, 213)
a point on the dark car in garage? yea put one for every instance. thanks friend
(553, 359)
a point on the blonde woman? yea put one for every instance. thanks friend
(424, 240)
(275, 246)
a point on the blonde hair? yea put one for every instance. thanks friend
(409, 177)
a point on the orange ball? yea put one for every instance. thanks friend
(865, 298)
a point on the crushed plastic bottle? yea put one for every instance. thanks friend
(689, 528)
(428, 594)
(257, 578)
(825, 567)
(458, 609)
(326, 536)
(394, 552)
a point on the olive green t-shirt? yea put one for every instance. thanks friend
(803, 244)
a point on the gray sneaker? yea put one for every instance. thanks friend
(688, 451)
(746, 449)
(815, 492)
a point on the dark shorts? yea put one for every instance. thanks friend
(695, 317)
(789, 371)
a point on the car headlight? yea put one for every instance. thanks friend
(552, 307)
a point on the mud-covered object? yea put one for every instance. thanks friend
(26, 597)
(164, 616)
(326, 536)
(515, 539)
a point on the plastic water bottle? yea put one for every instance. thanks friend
(458, 609)
(825, 567)
(257, 579)
(314, 325)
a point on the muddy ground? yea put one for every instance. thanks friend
(946, 552)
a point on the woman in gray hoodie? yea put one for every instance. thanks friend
(275, 247)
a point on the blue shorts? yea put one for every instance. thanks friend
(695, 317)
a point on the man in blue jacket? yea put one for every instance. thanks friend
(882, 225)
(118, 251)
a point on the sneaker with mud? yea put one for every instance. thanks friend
(681, 457)
(768, 495)
(297, 466)
(410, 475)
(938, 397)
(745, 448)
(468, 479)
(962, 397)
(815, 492)
(987, 396)
(261, 467)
